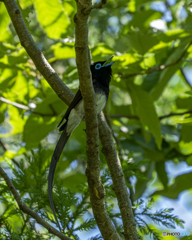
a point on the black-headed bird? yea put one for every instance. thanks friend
(101, 77)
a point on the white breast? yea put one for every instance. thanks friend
(77, 114)
(101, 100)
(75, 117)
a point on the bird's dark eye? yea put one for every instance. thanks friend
(98, 66)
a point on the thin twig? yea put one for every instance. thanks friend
(28, 211)
(175, 114)
(160, 118)
(21, 106)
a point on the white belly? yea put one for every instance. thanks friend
(77, 114)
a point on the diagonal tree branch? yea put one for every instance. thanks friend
(27, 210)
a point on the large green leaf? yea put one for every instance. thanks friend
(162, 174)
(185, 132)
(16, 122)
(144, 108)
(172, 35)
(101, 50)
(19, 90)
(182, 182)
(5, 19)
(168, 72)
(52, 17)
(37, 128)
(184, 102)
(142, 19)
(64, 50)
(141, 42)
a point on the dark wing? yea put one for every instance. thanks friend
(74, 102)
(55, 158)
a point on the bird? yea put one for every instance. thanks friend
(101, 76)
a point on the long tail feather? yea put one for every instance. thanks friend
(55, 158)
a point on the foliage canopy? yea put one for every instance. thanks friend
(149, 108)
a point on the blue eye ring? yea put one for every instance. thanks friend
(98, 66)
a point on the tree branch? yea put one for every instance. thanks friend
(117, 175)
(96, 189)
(21, 106)
(35, 54)
(174, 114)
(27, 210)
(160, 118)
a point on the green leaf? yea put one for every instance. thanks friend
(5, 19)
(154, 155)
(52, 17)
(189, 160)
(141, 42)
(101, 50)
(162, 174)
(64, 50)
(16, 122)
(182, 182)
(184, 102)
(142, 19)
(3, 107)
(172, 35)
(144, 107)
(168, 72)
(19, 90)
(186, 129)
(37, 128)
(7, 79)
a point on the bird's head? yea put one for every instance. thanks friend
(101, 71)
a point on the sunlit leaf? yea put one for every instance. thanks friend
(144, 108)
(52, 17)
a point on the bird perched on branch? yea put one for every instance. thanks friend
(101, 77)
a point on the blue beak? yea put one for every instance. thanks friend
(108, 62)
